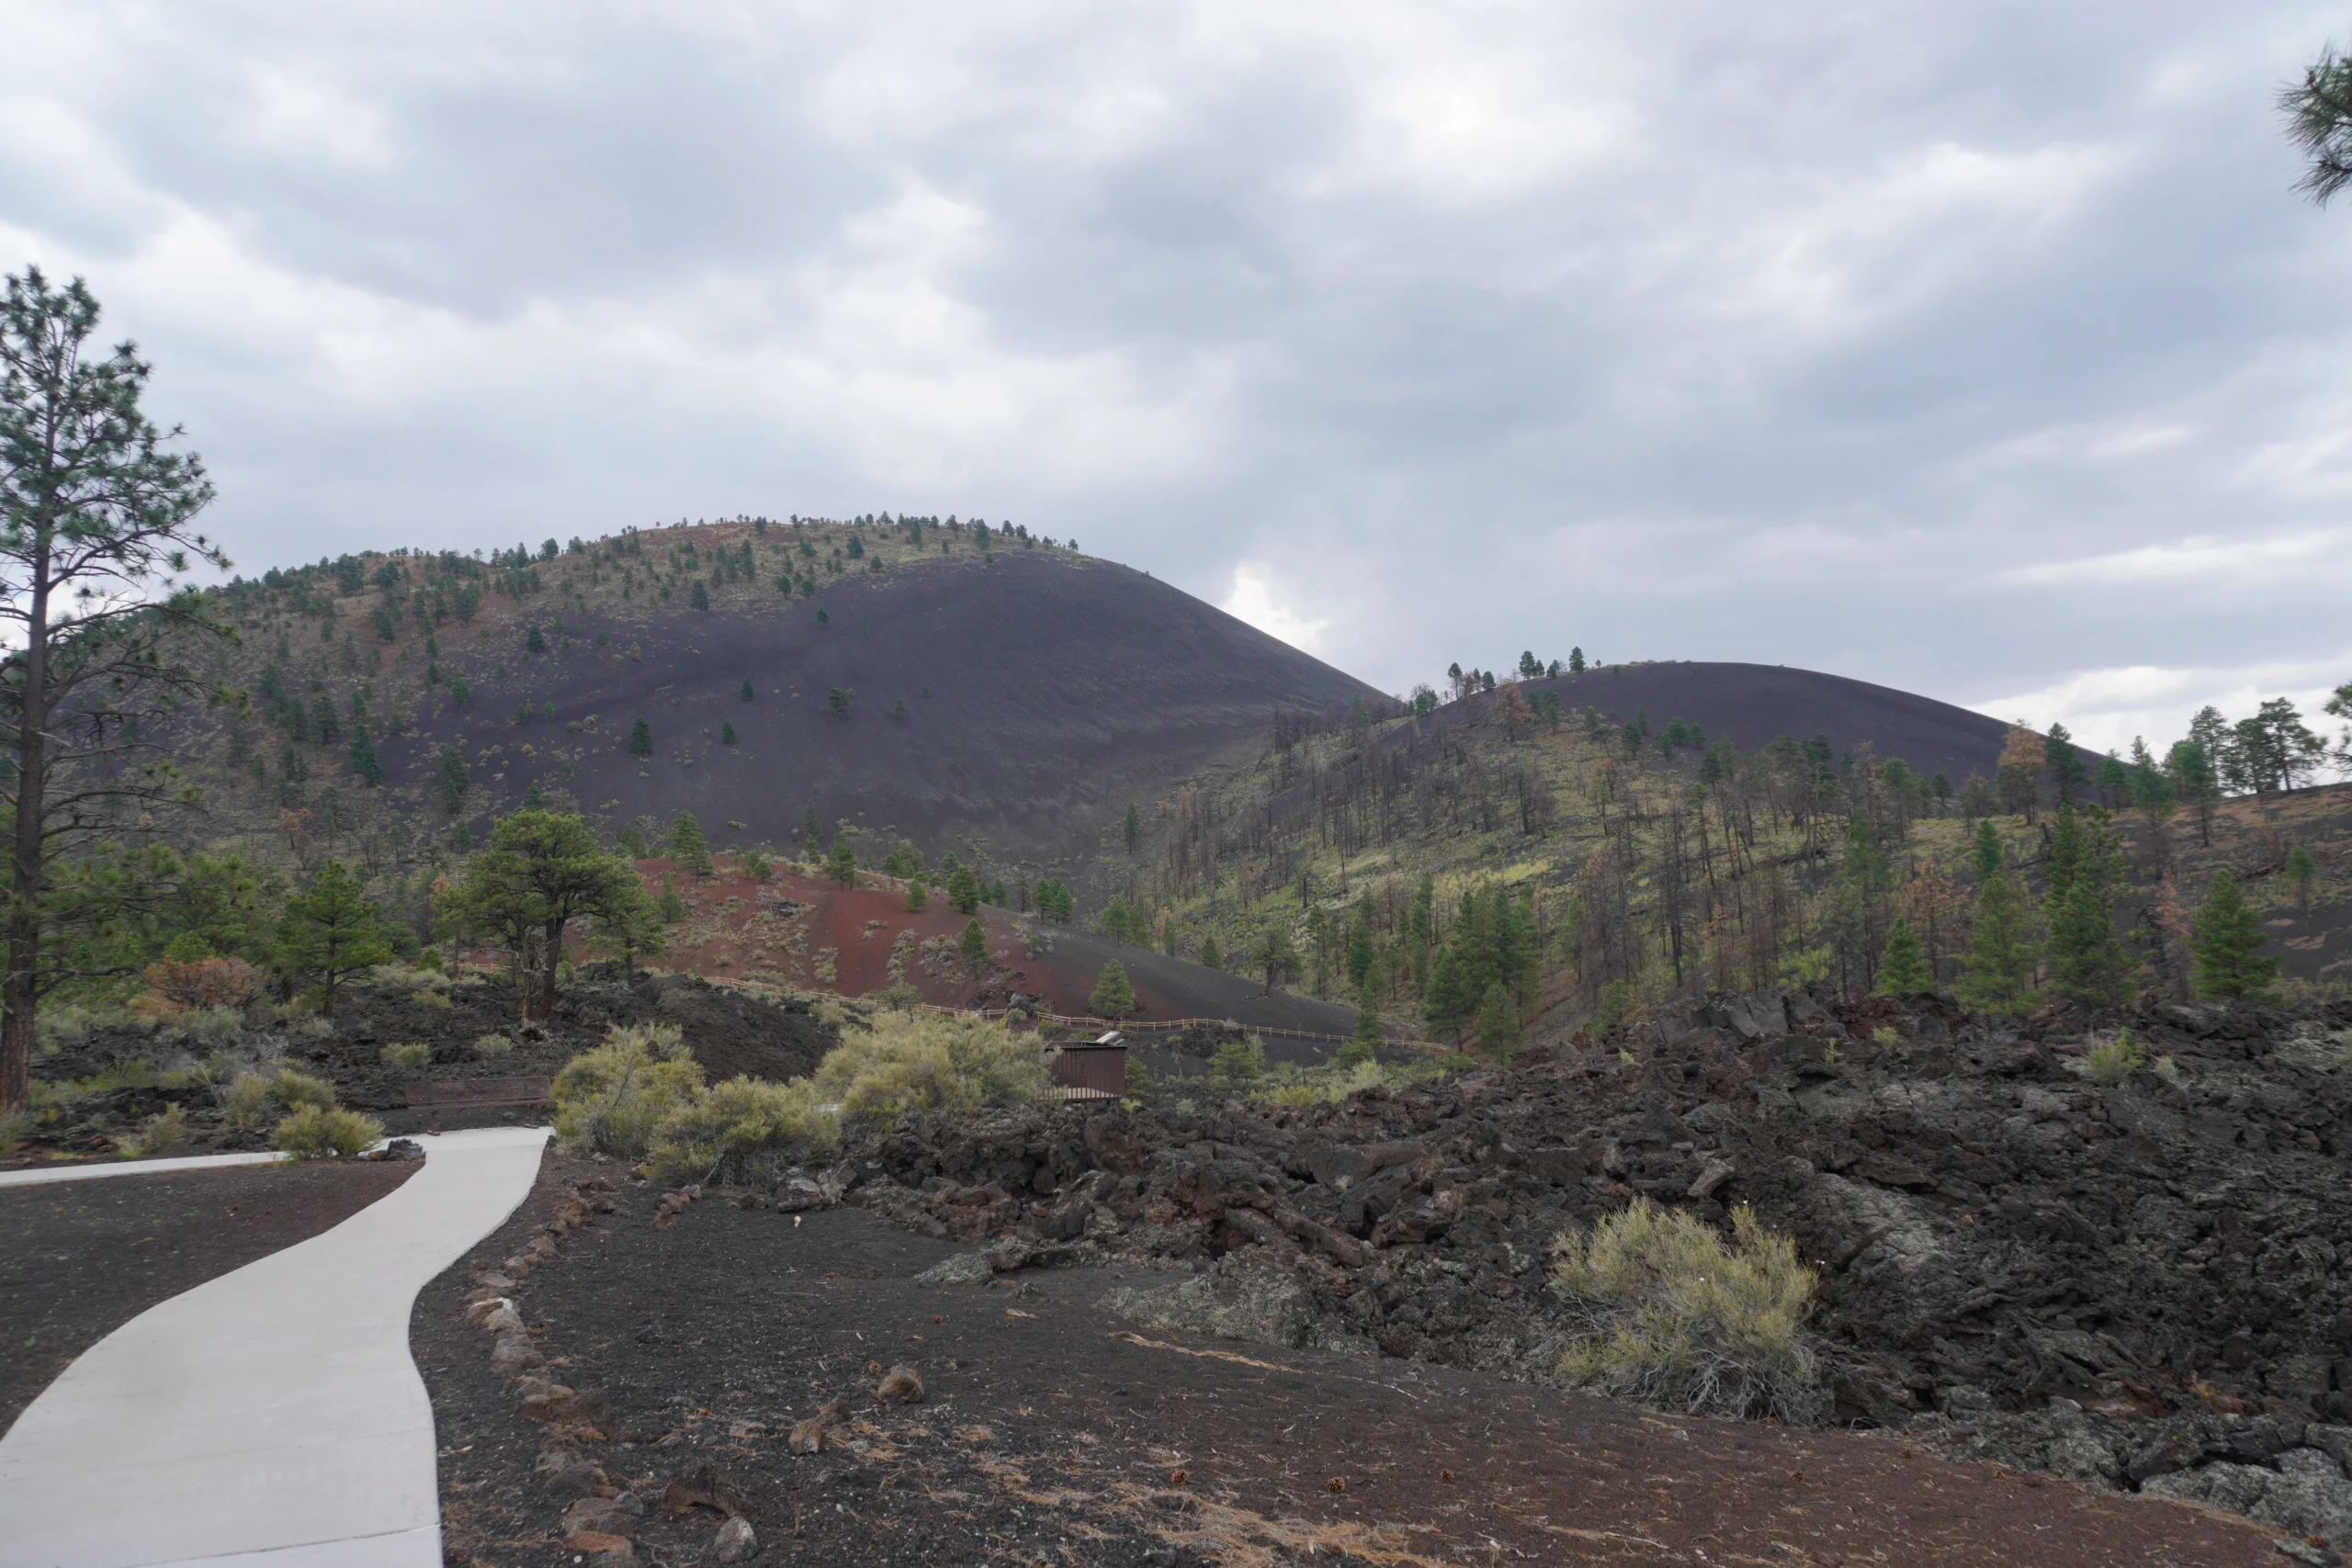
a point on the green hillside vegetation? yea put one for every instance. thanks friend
(1493, 860)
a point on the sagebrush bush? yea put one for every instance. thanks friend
(247, 1099)
(165, 1130)
(407, 1057)
(1674, 1319)
(315, 1133)
(745, 1132)
(910, 1061)
(66, 1027)
(427, 997)
(608, 1100)
(205, 1025)
(492, 1045)
(296, 1091)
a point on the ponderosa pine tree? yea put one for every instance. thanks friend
(2227, 942)
(1447, 1001)
(2302, 870)
(631, 843)
(974, 948)
(841, 861)
(2318, 112)
(688, 848)
(808, 844)
(332, 929)
(963, 891)
(1362, 953)
(727, 733)
(94, 513)
(1497, 1024)
(1210, 957)
(1996, 974)
(641, 738)
(1367, 1013)
(365, 766)
(2086, 959)
(2063, 764)
(540, 872)
(1984, 852)
(744, 692)
(1114, 995)
(1902, 967)
(2195, 781)
(1131, 828)
(1277, 958)
(450, 779)
(918, 895)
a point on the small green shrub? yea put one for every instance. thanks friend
(296, 1091)
(910, 1061)
(492, 1045)
(69, 1026)
(899, 996)
(247, 1099)
(2117, 1059)
(744, 1131)
(315, 1133)
(425, 995)
(412, 1057)
(207, 1026)
(163, 1132)
(1674, 1319)
(16, 1126)
(609, 1100)
(1238, 1062)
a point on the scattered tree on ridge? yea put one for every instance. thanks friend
(1114, 995)
(332, 929)
(688, 847)
(1902, 967)
(2227, 942)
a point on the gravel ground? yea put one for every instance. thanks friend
(1052, 1432)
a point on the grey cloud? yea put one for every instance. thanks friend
(1784, 336)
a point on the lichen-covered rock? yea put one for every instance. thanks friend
(1241, 1299)
(963, 1268)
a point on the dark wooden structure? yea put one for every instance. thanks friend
(1096, 1069)
(477, 1094)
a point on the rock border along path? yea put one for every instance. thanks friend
(271, 1417)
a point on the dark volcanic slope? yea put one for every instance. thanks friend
(1042, 693)
(1753, 703)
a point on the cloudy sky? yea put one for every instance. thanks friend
(1981, 349)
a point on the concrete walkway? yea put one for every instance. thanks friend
(41, 1175)
(272, 1417)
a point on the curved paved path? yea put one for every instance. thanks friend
(272, 1417)
(39, 1176)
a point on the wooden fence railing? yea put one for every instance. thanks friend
(1131, 1025)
